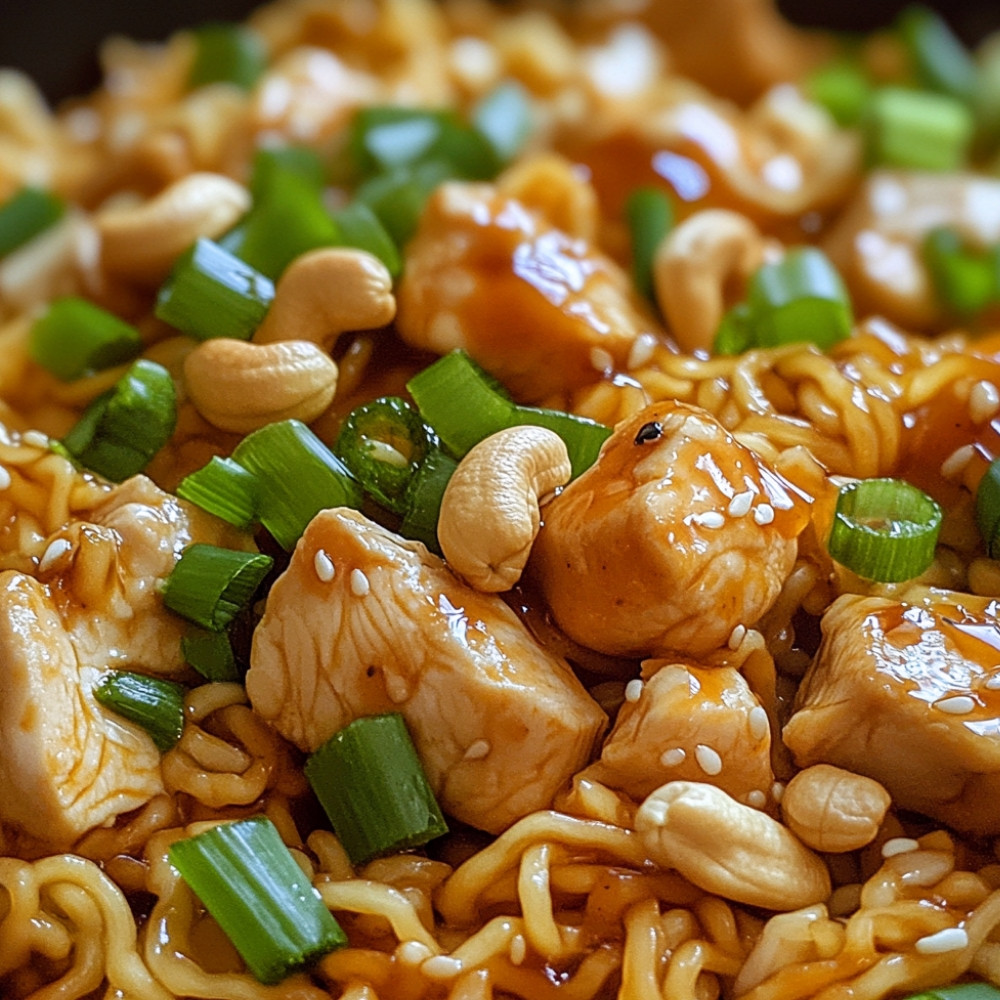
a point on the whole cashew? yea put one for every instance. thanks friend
(239, 386)
(490, 509)
(729, 849)
(327, 292)
(834, 810)
(695, 268)
(142, 241)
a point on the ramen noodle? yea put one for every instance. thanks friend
(683, 752)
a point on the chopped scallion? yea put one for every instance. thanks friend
(211, 654)
(25, 214)
(965, 280)
(360, 227)
(735, 333)
(884, 530)
(988, 509)
(370, 782)
(503, 117)
(650, 215)
(125, 427)
(940, 60)
(398, 197)
(210, 586)
(212, 293)
(423, 498)
(227, 53)
(842, 88)
(223, 488)
(297, 476)
(960, 991)
(155, 704)
(250, 883)
(74, 337)
(271, 167)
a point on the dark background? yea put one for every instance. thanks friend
(56, 41)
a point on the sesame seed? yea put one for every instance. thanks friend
(736, 636)
(759, 724)
(441, 967)
(359, 583)
(58, 547)
(950, 939)
(323, 565)
(708, 760)
(477, 750)
(984, 402)
(899, 845)
(740, 505)
(708, 519)
(763, 513)
(601, 360)
(959, 704)
(993, 681)
(5, 479)
(633, 690)
(35, 439)
(673, 757)
(953, 466)
(756, 799)
(641, 351)
(518, 949)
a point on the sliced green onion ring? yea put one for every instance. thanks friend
(884, 530)
(504, 118)
(650, 215)
(155, 704)
(227, 53)
(960, 991)
(988, 508)
(211, 654)
(423, 498)
(940, 59)
(27, 213)
(223, 488)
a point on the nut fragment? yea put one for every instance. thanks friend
(327, 292)
(490, 509)
(726, 848)
(834, 810)
(142, 241)
(238, 386)
(696, 268)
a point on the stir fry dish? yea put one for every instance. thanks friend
(502, 502)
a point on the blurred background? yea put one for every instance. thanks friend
(56, 41)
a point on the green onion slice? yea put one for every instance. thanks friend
(125, 427)
(297, 477)
(370, 782)
(842, 88)
(940, 60)
(213, 293)
(966, 281)
(155, 704)
(210, 586)
(650, 215)
(504, 118)
(360, 227)
(74, 337)
(398, 197)
(223, 488)
(25, 214)
(988, 508)
(248, 880)
(422, 501)
(884, 530)
(735, 333)
(227, 53)
(211, 654)
(382, 443)
(273, 166)
(960, 991)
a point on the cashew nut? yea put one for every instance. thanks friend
(327, 292)
(698, 266)
(490, 509)
(729, 849)
(834, 810)
(142, 241)
(239, 386)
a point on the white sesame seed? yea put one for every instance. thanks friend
(959, 704)
(740, 505)
(633, 690)
(5, 479)
(323, 565)
(441, 967)
(993, 681)
(641, 351)
(477, 750)
(413, 952)
(759, 724)
(950, 939)
(58, 547)
(984, 402)
(36, 439)
(601, 360)
(708, 519)
(777, 791)
(953, 466)
(673, 757)
(708, 760)
(518, 949)
(736, 636)
(763, 513)
(756, 799)
(359, 583)
(899, 845)
(396, 688)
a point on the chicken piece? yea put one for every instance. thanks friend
(689, 723)
(673, 537)
(543, 312)
(877, 243)
(908, 693)
(66, 764)
(364, 622)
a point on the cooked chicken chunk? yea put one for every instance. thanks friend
(66, 764)
(909, 694)
(689, 723)
(673, 537)
(363, 622)
(542, 311)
